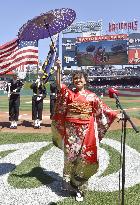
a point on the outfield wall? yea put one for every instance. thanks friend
(132, 92)
(126, 92)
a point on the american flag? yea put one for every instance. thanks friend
(16, 53)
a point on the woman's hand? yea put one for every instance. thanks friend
(120, 116)
(58, 63)
(58, 73)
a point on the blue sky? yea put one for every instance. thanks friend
(14, 13)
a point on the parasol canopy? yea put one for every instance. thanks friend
(47, 24)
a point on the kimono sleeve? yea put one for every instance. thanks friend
(61, 102)
(58, 119)
(104, 117)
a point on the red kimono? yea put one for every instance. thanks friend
(79, 123)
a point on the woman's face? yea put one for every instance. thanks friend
(79, 81)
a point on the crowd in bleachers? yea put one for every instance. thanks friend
(112, 71)
(107, 74)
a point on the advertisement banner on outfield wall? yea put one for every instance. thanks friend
(103, 52)
(69, 52)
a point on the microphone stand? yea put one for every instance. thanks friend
(124, 121)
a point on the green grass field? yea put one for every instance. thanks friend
(29, 173)
(26, 104)
(25, 175)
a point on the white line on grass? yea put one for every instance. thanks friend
(52, 163)
(97, 182)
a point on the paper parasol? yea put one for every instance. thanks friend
(47, 24)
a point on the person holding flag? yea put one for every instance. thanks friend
(38, 87)
(39, 93)
(48, 71)
(14, 54)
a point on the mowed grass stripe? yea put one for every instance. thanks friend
(29, 174)
(125, 105)
(14, 138)
(25, 103)
(4, 103)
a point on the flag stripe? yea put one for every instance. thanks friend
(22, 61)
(16, 53)
(8, 44)
(26, 57)
(2, 57)
(5, 70)
(7, 50)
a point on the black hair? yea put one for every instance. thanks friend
(80, 74)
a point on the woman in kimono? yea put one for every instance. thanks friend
(78, 124)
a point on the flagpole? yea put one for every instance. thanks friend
(37, 79)
(9, 90)
(47, 27)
